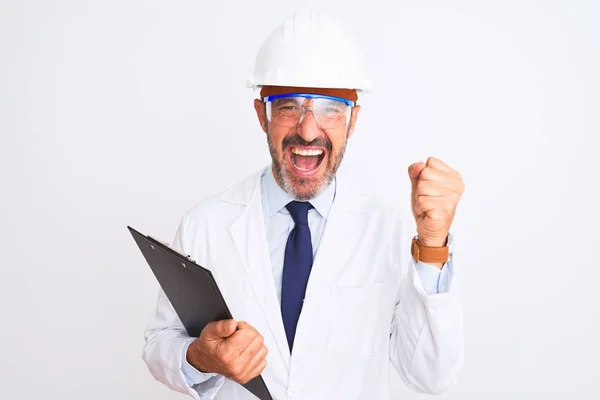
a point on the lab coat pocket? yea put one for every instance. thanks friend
(357, 320)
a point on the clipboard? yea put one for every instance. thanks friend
(193, 292)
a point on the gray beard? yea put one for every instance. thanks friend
(283, 177)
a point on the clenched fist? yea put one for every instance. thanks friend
(229, 348)
(436, 190)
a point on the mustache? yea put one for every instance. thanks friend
(296, 140)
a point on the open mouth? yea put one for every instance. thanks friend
(306, 160)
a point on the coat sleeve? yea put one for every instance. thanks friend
(166, 340)
(426, 338)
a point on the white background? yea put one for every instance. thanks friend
(128, 112)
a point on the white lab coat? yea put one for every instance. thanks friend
(364, 305)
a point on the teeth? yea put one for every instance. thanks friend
(302, 152)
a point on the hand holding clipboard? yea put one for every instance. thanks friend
(229, 348)
(197, 300)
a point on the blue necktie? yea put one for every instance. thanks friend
(296, 268)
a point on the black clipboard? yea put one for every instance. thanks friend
(193, 292)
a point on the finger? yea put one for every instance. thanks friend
(258, 363)
(414, 170)
(435, 207)
(435, 175)
(425, 204)
(253, 372)
(253, 348)
(220, 329)
(438, 164)
(259, 368)
(241, 339)
(244, 325)
(430, 188)
(442, 178)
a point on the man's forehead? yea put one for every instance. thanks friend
(349, 94)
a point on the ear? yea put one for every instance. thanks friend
(259, 106)
(353, 118)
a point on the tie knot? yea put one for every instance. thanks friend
(299, 211)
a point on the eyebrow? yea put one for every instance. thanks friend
(284, 100)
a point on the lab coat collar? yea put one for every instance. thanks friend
(276, 198)
(345, 197)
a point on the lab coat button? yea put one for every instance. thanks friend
(291, 392)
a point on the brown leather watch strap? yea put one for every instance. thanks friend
(428, 254)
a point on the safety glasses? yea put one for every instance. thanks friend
(289, 110)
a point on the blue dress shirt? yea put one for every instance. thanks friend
(279, 224)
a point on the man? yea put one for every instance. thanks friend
(317, 276)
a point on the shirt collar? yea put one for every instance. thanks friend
(276, 198)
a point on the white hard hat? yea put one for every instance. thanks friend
(309, 50)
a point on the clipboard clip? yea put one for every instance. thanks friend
(187, 256)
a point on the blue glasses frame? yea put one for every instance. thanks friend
(310, 96)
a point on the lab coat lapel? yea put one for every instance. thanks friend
(250, 239)
(339, 239)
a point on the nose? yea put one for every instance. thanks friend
(308, 128)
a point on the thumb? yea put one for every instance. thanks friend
(222, 329)
(414, 171)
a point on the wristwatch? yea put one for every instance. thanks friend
(431, 254)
